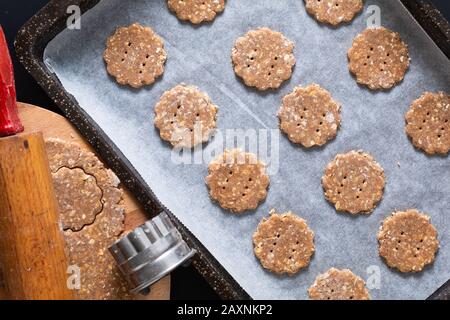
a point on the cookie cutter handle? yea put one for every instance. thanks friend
(150, 252)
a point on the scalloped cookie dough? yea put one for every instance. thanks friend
(135, 55)
(238, 181)
(310, 116)
(284, 243)
(87, 237)
(408, 241)
(196, 11)
(338, 285)
(379, 59)
(185, 116)
(78, 196)
(334, 12)
(263, 58)
(428, 123)
(354, 183)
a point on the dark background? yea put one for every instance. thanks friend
(186, 282)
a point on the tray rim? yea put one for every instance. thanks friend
(30, 44)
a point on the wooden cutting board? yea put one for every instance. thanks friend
(53, 125)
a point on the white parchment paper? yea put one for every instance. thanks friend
(374, 122)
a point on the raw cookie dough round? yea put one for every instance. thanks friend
(263, 58)
(428, 123)
(196, 11)
(135, 55)
(334, 12)
(309, 116)
(88, 247)
(408, 241)
(378, 58)
(185, 116)
(78, 196)
(354, 182)
(237, 180)
(284, 243)
(338, 285)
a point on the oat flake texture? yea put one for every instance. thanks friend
(309, 116)
(263, 58)
(237, 180)
(185, 116)
(334, 12)
(87, 247)
(408, 241)
(338, 285)
(354, 183)
(79, 197)
(428, 123)
(284, 243)
(196, 11)
(135, 55)
(378, 58)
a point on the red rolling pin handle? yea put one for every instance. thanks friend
(9, 119)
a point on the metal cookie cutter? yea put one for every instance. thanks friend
(150, 252)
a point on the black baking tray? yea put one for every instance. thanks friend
(51, 20)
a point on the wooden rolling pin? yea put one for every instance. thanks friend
(32, 257)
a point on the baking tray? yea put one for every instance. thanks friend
(42, 28)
